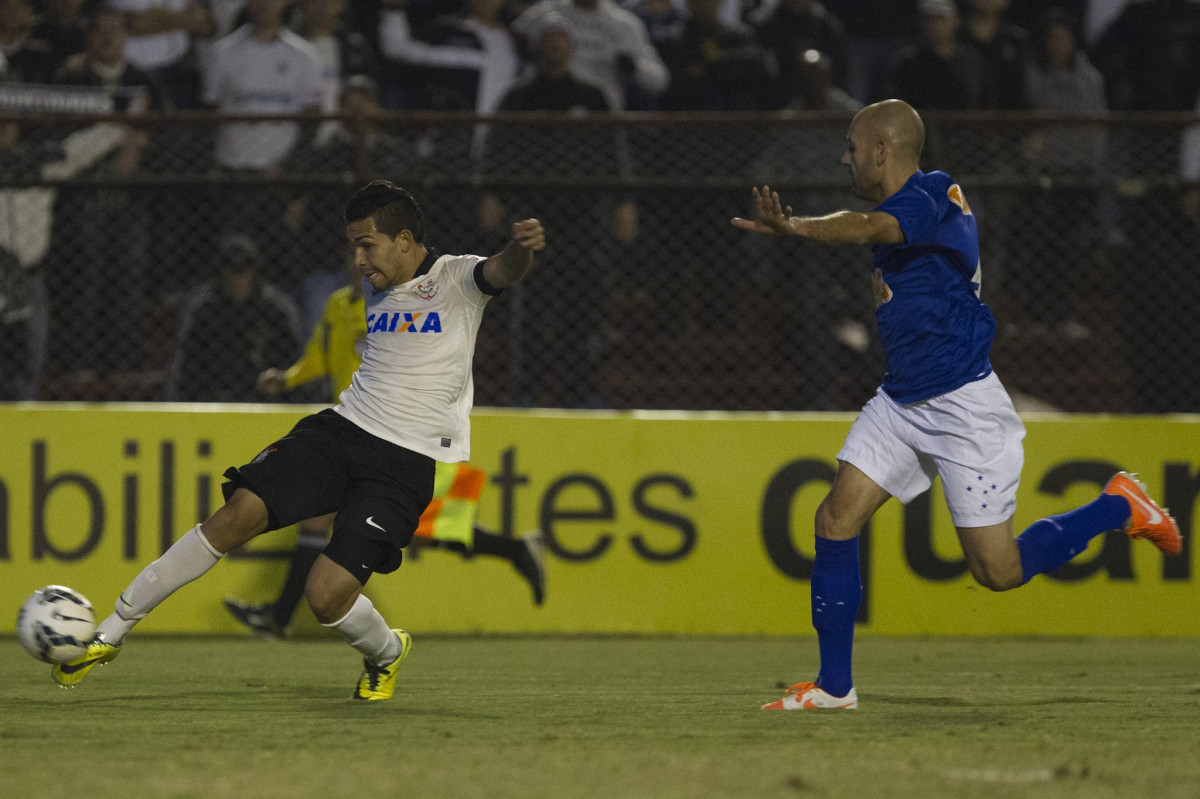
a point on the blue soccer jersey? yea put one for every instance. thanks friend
(936, 333)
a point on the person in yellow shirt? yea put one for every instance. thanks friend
(334, 351)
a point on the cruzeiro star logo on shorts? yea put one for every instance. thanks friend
(260, 457)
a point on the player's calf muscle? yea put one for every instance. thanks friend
(240, 519)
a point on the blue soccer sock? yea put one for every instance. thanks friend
(836, 595)
(1049, 543)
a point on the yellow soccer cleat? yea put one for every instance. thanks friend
(807, 696)
(1146, 519)
(72, 672)
(379, 682)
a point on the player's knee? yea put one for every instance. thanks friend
(996, 577)
(831, 523)
(329, 601)
(323, 603)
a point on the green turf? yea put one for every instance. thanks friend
(608, 717)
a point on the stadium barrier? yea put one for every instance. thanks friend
(655, 522)
(645, 297)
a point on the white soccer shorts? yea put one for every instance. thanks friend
(971, 437)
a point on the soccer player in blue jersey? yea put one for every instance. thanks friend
(940, 411)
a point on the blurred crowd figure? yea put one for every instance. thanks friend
(571, 58)
(465, 54)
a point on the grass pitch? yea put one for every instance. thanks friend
(608, 717)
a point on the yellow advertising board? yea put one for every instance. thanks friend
(654, 522)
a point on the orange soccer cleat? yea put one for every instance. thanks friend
(1146, 519)
(807, 696)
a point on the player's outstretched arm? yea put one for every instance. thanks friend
(514, 261)
(849, 227)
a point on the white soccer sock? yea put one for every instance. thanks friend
(365, 630)
(187, 559)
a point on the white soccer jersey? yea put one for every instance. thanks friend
(154, 50)
(415, 387)
(246, 76)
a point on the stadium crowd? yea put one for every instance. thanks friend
(562, 57)
(712, 55)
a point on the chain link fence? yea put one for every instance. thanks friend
(647, 297)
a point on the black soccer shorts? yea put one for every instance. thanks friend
(326, 464)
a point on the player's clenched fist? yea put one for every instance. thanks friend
(530, 234)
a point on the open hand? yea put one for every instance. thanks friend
(771, 217)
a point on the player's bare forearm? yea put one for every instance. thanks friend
(849, 227)
(515, 260)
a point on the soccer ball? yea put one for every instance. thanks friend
(56, 624)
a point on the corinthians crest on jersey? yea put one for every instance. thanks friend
(415, 387)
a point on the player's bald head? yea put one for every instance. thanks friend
(897, 123)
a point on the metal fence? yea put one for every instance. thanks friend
(646, 298)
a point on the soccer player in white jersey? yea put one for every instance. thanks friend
(941, 411)
(371, 458)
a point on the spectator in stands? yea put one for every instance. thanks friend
(23, 328)
(663, 18)
(107, 262)
(1003, 44)
(1069, 157)
(555, 85)
(565, 318)
(24, 310)
(103, 63)
(812, 86)
(262, 68)
(795, 28)
(28, 59)
(714, 66)
(610, 46)
(232, 329)
(878, 30)
(941, 72)
(358, 148)
(398, 20)
(342, 52)
(62, 26)
(162, 42)
(462, 62)
(1150, 56)
(1061, 78)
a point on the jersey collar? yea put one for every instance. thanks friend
(427, 264)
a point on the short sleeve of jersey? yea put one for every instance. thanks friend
(463, 270)
(916, 212)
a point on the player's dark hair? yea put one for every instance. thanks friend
(391, 208)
